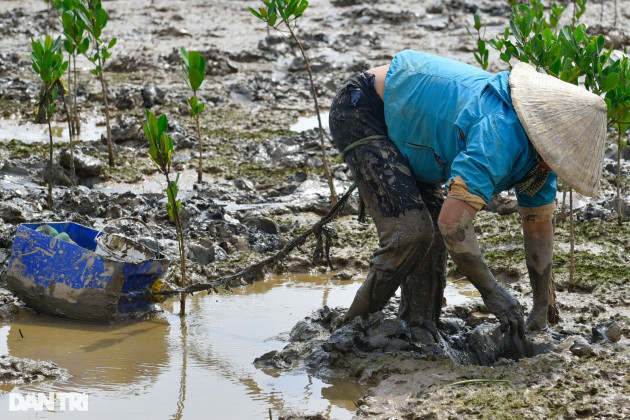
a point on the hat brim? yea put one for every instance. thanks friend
(565, 123)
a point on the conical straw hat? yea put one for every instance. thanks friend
(565, 123)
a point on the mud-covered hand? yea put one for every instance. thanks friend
(507, 309)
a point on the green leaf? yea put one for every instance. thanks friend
(111, 43)
(580, 33)
(515, 31)
(255, 13)
(184, 54)
(477, 19)
(610, 82)
(68, 46)
(147, 134)
(169, 210)
(38, 48)
(291, 6)
(84, 46)
(85, 20)
(153, 125)
(547, 35)
(169, 146)
(481, 46)
(101, 18)
(568, 47)
(56, 44)
(281, 10)
(600, 44)
(67, 19)
(162, 124)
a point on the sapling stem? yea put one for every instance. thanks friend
(181, 245)
(69, 109)
(200, 171)
(563, 209)
(572, 240)
(65, 107)
(77, 122)
(331, 185)
(50, 158)
(619, 215)
(182, 384)
(110, 150)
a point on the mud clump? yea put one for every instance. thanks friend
(15, 370)
(322, 344)
(8, 303)
(84, 165)
(608, 331)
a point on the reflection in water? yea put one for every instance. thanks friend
(199, 366)
(343, 393)
(97, 355)
(182, 382)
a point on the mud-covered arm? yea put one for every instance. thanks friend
(456, 226)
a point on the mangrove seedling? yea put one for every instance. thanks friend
(570, 54)
(194, 69)
(481, 55)
(282, 15)
(93, 18)
(160, 151)
(77, 42)
(48, 63)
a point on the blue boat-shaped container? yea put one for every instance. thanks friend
(76, 280)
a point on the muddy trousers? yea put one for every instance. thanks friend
(411, 251)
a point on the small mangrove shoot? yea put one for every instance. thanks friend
(93, 18)
(194, 70)
(571, 54)
(289, 11)
(48, 63)
(77, 42)
(160, 151)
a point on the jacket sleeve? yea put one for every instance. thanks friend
(486, 161)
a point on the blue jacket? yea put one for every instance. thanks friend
(451, 119)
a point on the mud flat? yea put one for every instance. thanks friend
(263, 184)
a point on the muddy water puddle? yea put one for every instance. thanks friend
(154, 184)
(30, 133)
(201, 367)
(308, 123)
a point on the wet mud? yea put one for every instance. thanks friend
(15, 370)
(263, 184)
